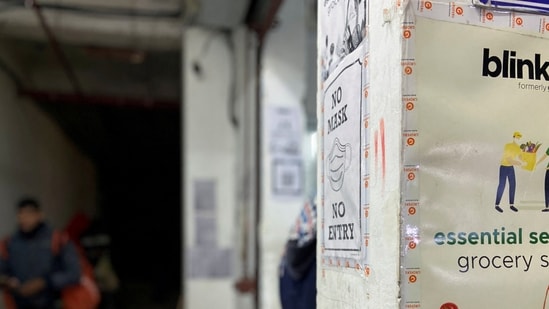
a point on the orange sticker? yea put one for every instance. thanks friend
(459, 10)
(489, 16)
(519, 21)
(547, 26)
(412, 278)
(407, 34)
(408, 70)
(410, 106)
(410, 141)
(365, 93)
(428, 5)
(411, 176)
(366, 154)
(412, 211)
(412, 245)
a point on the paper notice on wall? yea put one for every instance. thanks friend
(285, 128)
(342, 119)
(205, 259)
(481, 185)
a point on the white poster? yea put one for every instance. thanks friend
(480, 192)
(285, 125)
(342, 103)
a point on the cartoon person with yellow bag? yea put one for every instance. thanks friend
(546, 185)
(512, 155)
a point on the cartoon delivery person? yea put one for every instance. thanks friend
(546, 185)
(511, 157)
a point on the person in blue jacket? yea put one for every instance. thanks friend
(30, 272)
(297, 278)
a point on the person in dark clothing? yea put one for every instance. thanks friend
(297, 279)
(30, 272)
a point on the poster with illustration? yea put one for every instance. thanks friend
(336, 42)
(481, 206)
(342, 144)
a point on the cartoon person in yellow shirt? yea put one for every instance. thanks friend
(546, 183)
(511, 157)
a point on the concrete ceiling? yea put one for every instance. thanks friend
(103, 58)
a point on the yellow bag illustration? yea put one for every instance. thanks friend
(530, 159)
(528, 155)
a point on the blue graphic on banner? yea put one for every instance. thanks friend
(540, 6)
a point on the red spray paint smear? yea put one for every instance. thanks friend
(382, 133)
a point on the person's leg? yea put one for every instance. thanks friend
(288, 290)
(512, 188)
(501, 187)
(546, 189)
(307, 297)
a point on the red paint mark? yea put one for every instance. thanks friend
(382, 133)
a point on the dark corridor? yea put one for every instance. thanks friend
(137, 156)
(127, 121)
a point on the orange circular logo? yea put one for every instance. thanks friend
(366, 123)
(366, 183)
(410, 141)
(547, 26)
(449, 306)
(489, 16)
(411, 176)
(365, 61)
(366, 242)
(407, 34)
(412, 278)
(412, 210)
(412, 245)
(365, 93)
(410, 106)
(366, 212)
(519, 21)
(428, 5)
(459, 10)
(408, 70)
(366, 154)
(367, 271)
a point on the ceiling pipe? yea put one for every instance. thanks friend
(57, 49)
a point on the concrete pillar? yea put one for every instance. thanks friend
(283, 90)
(368, 278)
(452, 99)
(218, 120)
